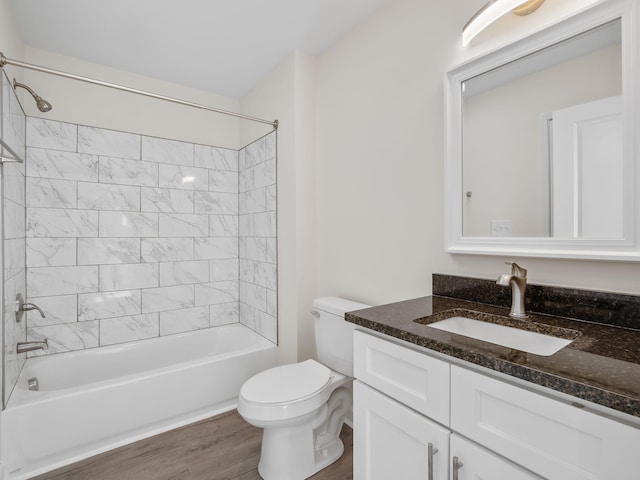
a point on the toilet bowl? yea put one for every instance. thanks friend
(301, 407)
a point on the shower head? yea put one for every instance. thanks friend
(41, 103)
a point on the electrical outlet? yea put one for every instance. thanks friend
(500, 228)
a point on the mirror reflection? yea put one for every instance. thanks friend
(542, 143)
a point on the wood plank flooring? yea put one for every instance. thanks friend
(224, 447)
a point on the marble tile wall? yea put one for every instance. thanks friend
(13, 201)
(257, 237)
(130, 237)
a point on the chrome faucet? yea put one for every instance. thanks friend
(517, 280)
(24, 347)
(22, 306)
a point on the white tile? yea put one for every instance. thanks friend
(253, 295)
(169, 200)
(47, 281)
(57, 309)
(14, 183)
(272, 303)
(94, 306)
(247, 270)
(223, 181)
(267, 326)
(105, 196)
(216, 292)
(253, 201)
(96, 251)
(110, 143)
(255, 153)
(242, 163)
(128, 172)
(253, 248)
(51, 134)
(62, 165)
(128, 224)
(167, 298)
(266, 275)
(167, 151)
(271, 250)
(248, 316)
(46, 192)
(128, 276)
(270, 145)
(262, 175)
(223, 225)
(182, 177)
(216, 158)
(182, 273)
(272, 198)
(215, 248)
(184, 320)
(183, 224)
(49, 222)
(216, 203)
(14, 256)
(129, 329)
(67, 337)
(51, 252)
(224, 314)
(257, 225)
(14, 221)
(167, 249)
(224, 269)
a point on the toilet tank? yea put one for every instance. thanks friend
(334, 336)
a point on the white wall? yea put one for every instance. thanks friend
(93, 105)
(380, 156)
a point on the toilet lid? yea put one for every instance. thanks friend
(286, 383)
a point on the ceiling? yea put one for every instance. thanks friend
(221, 46)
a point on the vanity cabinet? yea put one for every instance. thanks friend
(407, 404)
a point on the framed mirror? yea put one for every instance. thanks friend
(543, 143)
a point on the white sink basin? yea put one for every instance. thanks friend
(531, 342)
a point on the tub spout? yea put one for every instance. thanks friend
(24, 347)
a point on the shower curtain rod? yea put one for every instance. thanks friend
(7, 61)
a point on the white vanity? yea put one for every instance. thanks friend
(420, 415)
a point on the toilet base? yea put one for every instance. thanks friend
(290, 454)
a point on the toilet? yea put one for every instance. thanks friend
(302, 406)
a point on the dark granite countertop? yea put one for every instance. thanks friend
(601, 365)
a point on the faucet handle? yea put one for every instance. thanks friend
(517, 270)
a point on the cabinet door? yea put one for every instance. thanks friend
(392, 441)
(473, 462)
(549, 437)
(413, 378)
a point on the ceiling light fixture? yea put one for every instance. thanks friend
(493, 11)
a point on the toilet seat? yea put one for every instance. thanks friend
(286, 391)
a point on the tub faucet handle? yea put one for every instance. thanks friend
(32, 306)
(22, 306)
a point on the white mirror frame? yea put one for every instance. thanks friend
(627, 249)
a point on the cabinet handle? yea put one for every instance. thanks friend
(457, 465)
(430, 453)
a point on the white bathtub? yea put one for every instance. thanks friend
(94, 400)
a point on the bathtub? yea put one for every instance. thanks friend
(98, 399)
